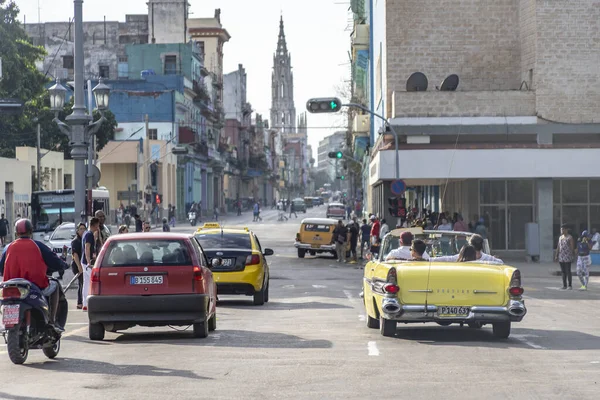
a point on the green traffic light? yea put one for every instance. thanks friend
(338, 154)
(333, 105)
(342, 177)
(324, 105)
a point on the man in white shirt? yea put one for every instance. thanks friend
(477, 242)
(384, 229)
(403, 252)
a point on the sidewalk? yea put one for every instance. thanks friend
(540, 269)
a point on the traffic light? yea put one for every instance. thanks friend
(342, 177)
(158, 199)
(397, 206)
(335, 154)
(324, 105)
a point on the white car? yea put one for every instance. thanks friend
(60, 241)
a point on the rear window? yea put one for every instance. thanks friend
(225, 241)
(316, 228)
(146, 252)
(337, 207)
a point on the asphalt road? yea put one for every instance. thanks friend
(311, 342)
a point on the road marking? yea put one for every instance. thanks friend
(362, 318)
(544, 301)
(594, 362)
(523, 338)
(348, 295)
(319, 286)
(288, 286)
(373, 350)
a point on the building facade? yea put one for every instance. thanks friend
(326, 165)
(527, 97)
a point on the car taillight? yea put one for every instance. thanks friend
(253, 259)
(391, 288)
(197, 274)
(516, 291)
(515, 279)
(298, 237)
(13, 292)
(95, 281)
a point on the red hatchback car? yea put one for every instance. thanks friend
(151, 279)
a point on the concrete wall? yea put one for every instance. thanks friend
(477, 40)
(234, 93)
(53, 164)
(167, 21)
(456, 104)
(16, 176)
(567, 71)
(137, 130)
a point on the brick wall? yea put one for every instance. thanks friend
(463, 104)
(568, 60)
(527, 30)
(478, 40)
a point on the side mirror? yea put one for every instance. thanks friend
(47, 238)
(268, 252)
(216, 262)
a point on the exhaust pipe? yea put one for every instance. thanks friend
(390, 306)
(517, 309)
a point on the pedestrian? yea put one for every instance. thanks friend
(165, 227)
(147, 226)
(365, 234)
(139, 225)
(172, 215)
(584, 259)
(564, 255)
(76, 266)
(340, 236)
(103, 230)
(216, 213)
(353, 230)
(123, 229)
(88, 256)
(292, 210)
(4, 230)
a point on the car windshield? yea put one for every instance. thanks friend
(224, 241)
(67, 233)
(438, 243)
(147, 252)
(336, 207)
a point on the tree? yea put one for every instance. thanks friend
(21, 80)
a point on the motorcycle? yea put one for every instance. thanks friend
(192, 217)
(25, 315)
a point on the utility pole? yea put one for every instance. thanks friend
(91, 153)
(39, 157)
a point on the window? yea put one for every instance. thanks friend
(492, 192)
(68, 62)
(317, 228)
(520, 191)
(152, 134)
(170, 65)
(103, 71)
(198, 249)
(225, 241)
(575, 191)
(147, 252)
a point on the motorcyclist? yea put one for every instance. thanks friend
(29, 259)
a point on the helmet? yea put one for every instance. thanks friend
(23, 227)
(585, 234)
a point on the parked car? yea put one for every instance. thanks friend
(240, 263)
(315, 236)
(299, 205)
(472, 293)
(151, 279)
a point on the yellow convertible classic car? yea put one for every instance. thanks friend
(447, 292)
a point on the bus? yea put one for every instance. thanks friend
(51, 208)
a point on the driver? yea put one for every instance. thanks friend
(404, 252)
(29, 259)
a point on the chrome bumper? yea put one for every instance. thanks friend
(514, 311)
(323, 247)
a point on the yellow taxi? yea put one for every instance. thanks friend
(239, 261)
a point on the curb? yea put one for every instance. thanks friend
(559, 273)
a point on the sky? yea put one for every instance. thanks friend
(317, 34)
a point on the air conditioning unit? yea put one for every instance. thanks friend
(361, 124)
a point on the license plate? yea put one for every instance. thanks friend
(10, 314)
(147, 280)
(315, 246)
(453, 311)
(227, 262)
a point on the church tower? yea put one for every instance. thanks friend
(283, 112)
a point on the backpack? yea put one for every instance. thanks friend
(582, 248)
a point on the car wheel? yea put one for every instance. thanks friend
(259, 297)
(212, 322)
(96, 331)
(52, 352)
(267, 292)
(387, 327)
(501, 330)
(301, 253)
(475, 325)
(201, 329)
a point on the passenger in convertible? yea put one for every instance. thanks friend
(404, 251)
(477, 242)
(467, 253)
(418, 250)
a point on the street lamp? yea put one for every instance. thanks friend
(79, 126)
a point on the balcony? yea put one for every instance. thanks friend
(217, 80)
(201, 148)
(247, 108)
(201, 91)
(360, 37)
(361, 125)
(204, 71)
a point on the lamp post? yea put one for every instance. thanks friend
(79, 126)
